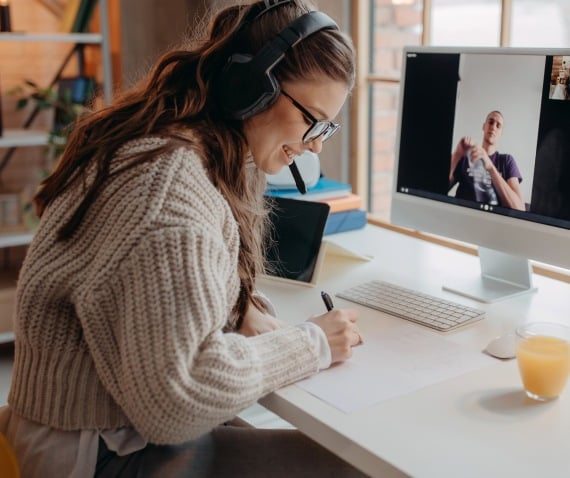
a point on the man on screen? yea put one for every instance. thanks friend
(485, 175)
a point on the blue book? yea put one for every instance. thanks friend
(325, 188)
(345, 221)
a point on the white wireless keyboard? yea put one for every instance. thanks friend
(412, 305)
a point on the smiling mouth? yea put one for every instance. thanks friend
(291, 155)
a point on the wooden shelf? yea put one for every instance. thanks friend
(86, 38)
(12, 138)
(24, 137)
(8, 281)
(6, 337)
(12, 239)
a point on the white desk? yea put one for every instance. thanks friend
(477, 425)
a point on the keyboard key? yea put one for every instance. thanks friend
(423, 309)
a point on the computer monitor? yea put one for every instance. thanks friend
(448, 96)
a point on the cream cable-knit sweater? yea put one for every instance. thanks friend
(122, 324)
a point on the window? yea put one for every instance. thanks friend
(391, 24)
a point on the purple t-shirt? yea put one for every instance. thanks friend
(505, 164)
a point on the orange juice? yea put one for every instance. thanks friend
(544, 364)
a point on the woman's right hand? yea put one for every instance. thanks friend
(339, 325)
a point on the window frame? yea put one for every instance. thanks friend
(360, 118)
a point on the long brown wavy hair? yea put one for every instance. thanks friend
(178, 96)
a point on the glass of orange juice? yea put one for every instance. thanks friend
(543, 356)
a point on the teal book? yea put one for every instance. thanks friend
(345, 221)
(325, 188)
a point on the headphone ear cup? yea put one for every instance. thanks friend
(247, 85)
(244, 91)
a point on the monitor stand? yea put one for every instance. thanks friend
(502, 276)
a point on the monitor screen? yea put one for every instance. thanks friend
(483, 155)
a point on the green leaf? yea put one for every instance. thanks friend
(43, 104)
(21, 103)
(17, 90)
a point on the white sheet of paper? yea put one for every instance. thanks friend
(394, 362)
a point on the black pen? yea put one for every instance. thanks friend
(327, 300)
(330, 306)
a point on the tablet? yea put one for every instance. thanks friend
(294, 240)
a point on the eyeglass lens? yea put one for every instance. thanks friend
(318, 128)
(324, 128)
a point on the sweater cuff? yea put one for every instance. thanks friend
(320, 343)
(286, 355)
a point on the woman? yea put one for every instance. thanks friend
(144, 264)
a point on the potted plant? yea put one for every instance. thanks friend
(67, 101)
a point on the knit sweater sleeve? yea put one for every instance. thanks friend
(176, 374)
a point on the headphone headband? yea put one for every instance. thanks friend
(271, 4)
(261, 8)
(247, 84)
(272, 53)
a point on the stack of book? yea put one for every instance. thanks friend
(346, 213)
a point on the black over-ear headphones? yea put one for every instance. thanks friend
(247, 85)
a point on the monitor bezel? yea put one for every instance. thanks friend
(537, 241)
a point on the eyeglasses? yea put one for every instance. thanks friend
(318, 128)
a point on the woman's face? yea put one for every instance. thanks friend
(275, 136)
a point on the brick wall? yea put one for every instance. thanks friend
(34, 61)
(38, 62)
(19, 61)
